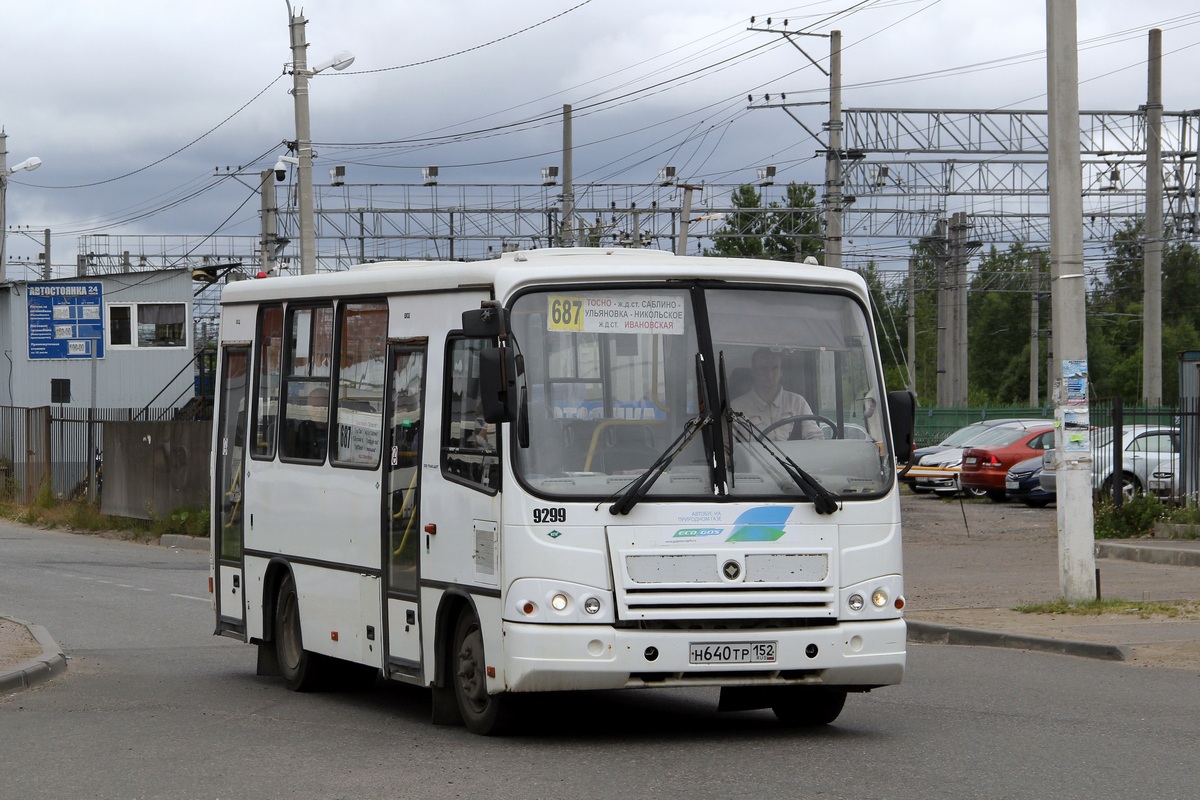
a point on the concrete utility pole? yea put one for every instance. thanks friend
(957, 338)
(565, 236)
(301, 73)
(940, 243)
(47, 270)
(1034, 309)
(267, 206)
(685, 217)
(1073, 458)
(29, 164)
(1152, 365)
(300, 76)
(912, 324)
(833, 157)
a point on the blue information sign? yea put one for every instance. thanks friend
(66, 320)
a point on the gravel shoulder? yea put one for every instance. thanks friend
(17, 644)
(968, 564)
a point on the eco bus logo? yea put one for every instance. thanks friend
(763, 524)
(695, 533)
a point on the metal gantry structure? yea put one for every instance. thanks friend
(906, 174)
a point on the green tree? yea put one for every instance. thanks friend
(742, 234)
(787, 231)
(1116, 312)
(998, 318)
(794, 227)
(889, 312)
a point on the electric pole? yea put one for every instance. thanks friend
(565, 236)
(833, 157)
(1073, 456)
(1152, 365)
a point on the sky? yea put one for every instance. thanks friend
(154, 117)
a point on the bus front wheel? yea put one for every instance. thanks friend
(303, 671)
(806, 707)
(482, 713)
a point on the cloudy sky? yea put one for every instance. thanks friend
(140, 109)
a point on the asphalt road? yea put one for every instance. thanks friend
(154, 706)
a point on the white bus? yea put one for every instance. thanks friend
(562, 469)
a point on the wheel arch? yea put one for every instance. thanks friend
(277, 570)
(451, 605)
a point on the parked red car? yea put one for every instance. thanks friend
(985, 467)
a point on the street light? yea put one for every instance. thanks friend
(301, 73)
(28, 165)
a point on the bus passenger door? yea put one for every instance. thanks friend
(402, 506)
(227, 495)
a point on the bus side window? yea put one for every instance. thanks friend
(304, 431)
(269, 356)
(361, 373)
(470, 451)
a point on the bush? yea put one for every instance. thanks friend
(1134, 518)
(184, 521)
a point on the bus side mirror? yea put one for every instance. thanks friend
(497, 384)
(486, 322)
(902, 413)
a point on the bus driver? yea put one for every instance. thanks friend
(767, 402)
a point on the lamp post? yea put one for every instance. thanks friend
(300, 75)
(28, 165)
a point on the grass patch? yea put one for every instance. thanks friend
(1184, 609)
(85, 517)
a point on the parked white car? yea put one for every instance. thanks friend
(1149, 461)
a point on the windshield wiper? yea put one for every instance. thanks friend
(824, 501)
(641, 485)
(727, 415)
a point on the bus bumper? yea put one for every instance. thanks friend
(543, 658)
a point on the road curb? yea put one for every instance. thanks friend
(27, 673)
(935, 633)
(1149, 554)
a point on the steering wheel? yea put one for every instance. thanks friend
(796, 418)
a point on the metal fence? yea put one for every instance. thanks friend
(935, 424)
(1145, 450)
(58, 446)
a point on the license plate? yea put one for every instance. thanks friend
(732, 652)
(972, 460)
(1011, 485)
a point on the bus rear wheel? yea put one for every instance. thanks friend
(808, 707)
(482, 713)
(303, 671)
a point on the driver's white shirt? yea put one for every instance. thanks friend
(786, 404)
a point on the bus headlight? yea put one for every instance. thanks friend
(877, 598)
(546, 601)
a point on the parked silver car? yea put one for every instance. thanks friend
(1149, 461)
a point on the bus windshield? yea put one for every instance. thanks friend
(616, 376)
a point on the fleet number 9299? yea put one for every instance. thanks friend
(731, 652)
(549, 515)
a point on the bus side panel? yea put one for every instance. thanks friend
(314, 512)
(324, 522)
(333, 618)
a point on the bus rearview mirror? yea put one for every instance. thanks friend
(488, 321)
(497, 384)
(902, 413)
